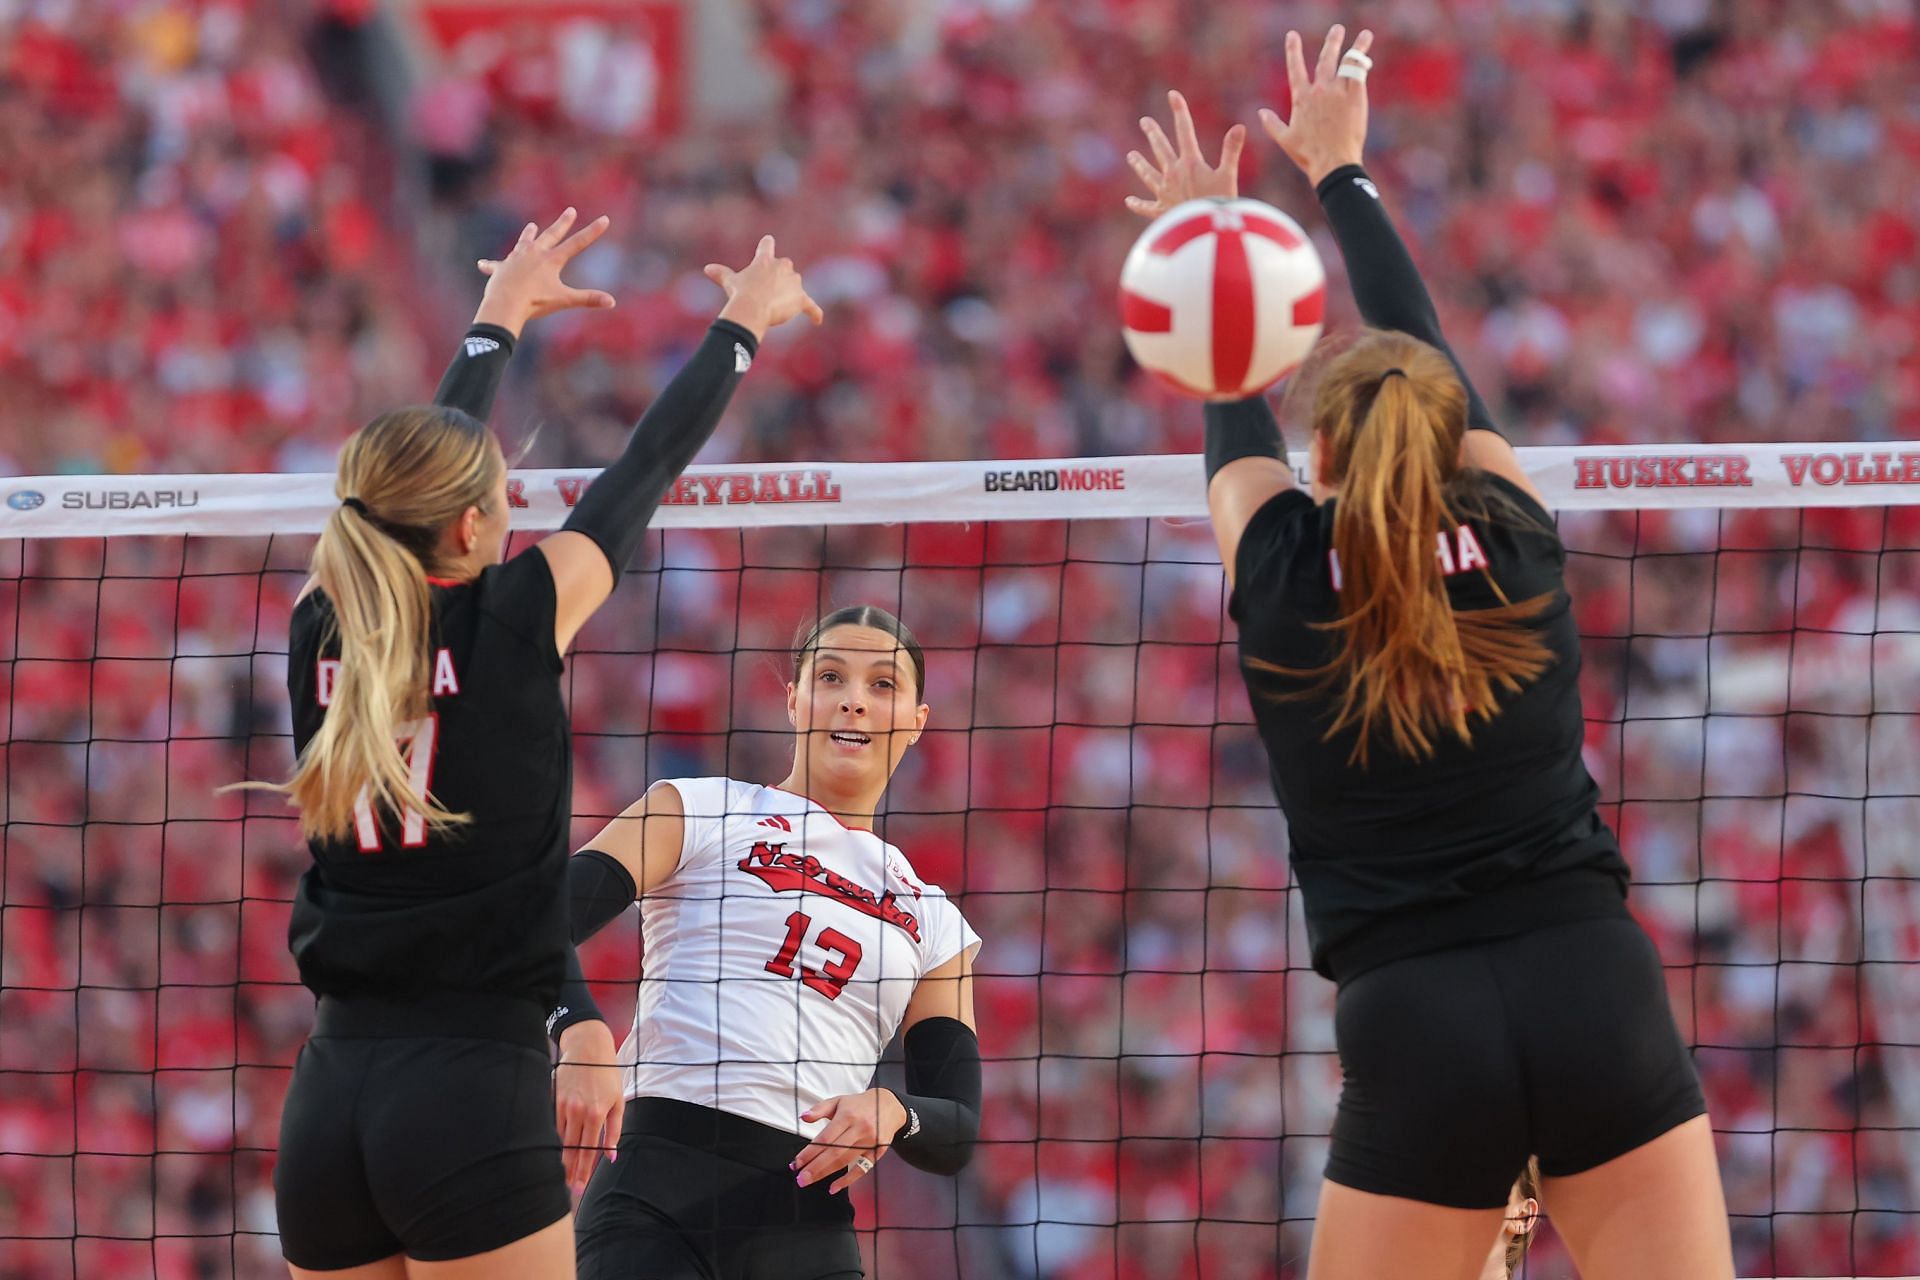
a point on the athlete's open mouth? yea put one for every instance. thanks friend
(848, 738)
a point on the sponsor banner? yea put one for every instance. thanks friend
(837, 493)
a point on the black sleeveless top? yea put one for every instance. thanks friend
(1474, 842)
(397, 911)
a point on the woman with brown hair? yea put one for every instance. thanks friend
(1413, 662)
(434, 789)
(786, 942)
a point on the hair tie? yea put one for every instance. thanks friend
(357, 505)
(1392, 372)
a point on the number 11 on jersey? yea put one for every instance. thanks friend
(417, 740)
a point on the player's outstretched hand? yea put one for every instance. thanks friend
(860, 1126)
(1327, 125)
(764, 294)
(1180, 173)
(588, 1099)
(526, 284)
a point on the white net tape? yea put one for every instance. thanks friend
(820, 493)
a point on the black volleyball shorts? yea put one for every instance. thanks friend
(1459, 1064)
(699, 1194)
(438, 1147)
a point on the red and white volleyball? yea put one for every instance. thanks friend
(1220, 299)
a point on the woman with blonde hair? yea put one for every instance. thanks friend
(1413, 662)
(434, 790)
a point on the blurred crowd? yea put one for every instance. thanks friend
(1670, 220)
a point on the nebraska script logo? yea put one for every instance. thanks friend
(786, 872)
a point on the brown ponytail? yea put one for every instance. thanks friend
(408, 474)
(1391, 415)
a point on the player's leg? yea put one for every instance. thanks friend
(1431, 1127)
(394, 1268)
(1656, 1213)
(1361, 1236)
(547, 1254)
(1629, 1176)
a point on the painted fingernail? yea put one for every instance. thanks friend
(801, 1180)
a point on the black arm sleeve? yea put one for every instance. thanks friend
(615, 509)
(943, 1097)
(1242, 429)
(599, 888)
(1386, 284)
(474, 376)
(576, 999)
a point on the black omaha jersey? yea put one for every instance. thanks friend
(397, 909)
(1408, 855)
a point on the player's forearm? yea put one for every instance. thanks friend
(1386, 285)
(576, 1000)
(942, 1098)
(598, 890)
(474, 376)
(616, 508)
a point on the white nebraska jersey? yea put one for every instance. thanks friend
(780, 956)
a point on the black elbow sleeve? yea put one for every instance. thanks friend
(599, 888)
(942, 1098)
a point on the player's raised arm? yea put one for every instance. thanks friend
(521, 287)
(606, 525)
(1246, 458)
(1324, 136)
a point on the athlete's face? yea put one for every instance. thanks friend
(855, 708)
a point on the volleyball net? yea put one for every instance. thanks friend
(1160, 1073)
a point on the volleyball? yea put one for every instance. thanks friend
(1220, 299)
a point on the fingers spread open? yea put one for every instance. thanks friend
(1297, 79)
(572, 246)
(551, 236)
(1145, 171)
(1231, 148)
(1183, 125)
(1330, 53)
(1276, 127)
(1163, 152)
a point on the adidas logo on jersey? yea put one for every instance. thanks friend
(777, 822)
(477, 347)
(742, 361)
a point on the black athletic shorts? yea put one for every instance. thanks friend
(438, 1146)
(699, 1194)
(1459, 1064)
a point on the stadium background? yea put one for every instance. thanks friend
(231, 231)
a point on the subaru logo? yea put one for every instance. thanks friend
(25, 499)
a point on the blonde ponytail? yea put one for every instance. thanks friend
(1392, 415)
(402, 478)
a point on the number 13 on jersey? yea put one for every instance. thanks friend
(830, 981)
(417, 740)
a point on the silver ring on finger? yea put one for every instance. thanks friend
(863, 1164)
